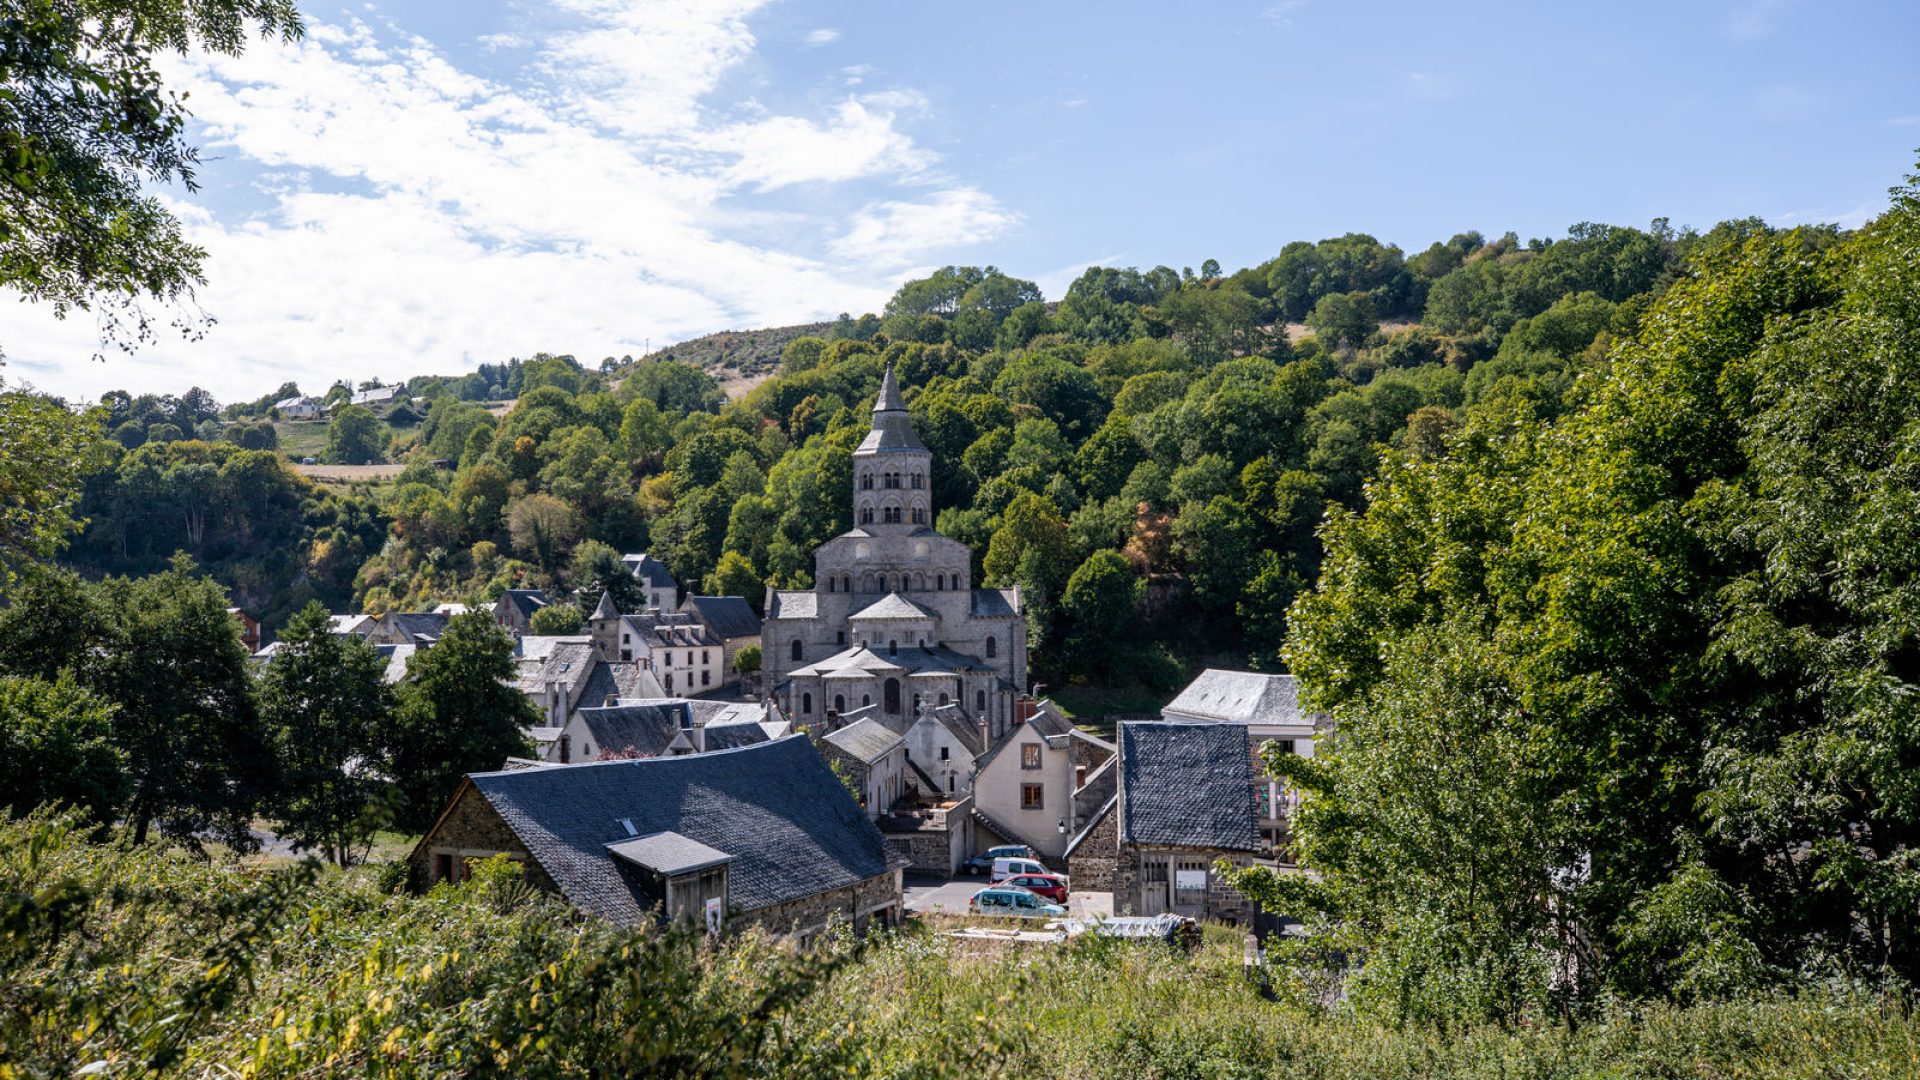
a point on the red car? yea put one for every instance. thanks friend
(1051, 886)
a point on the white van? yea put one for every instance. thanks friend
(1006, 868)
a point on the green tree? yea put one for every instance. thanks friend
(56, 747)
(1344, 318)
(557, 619)
(599, 570)
(355, 437)
(460, 712)
(1097, 610)
(177, 671)
(747, 660)
(734, 576)
(49, 451)
(85, 125)
(543, 529)
(327, 709)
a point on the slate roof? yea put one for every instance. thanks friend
(669, 853)
(892, 606)
(862, 661)
(865, 740)
(1240, 697)
(526, 601)
(996, 603)
(1187, 785)
(892, 428)
(650, 570)
(420, 627)
(397, 657)
(350, 624)
(726, 616)
(672, 629)
(646, 730)
(964, 730)
(616, 680)
(605, 609)
(540, 646)
(708, 711)
(736, 734)
(794, 604)
(792, 828)
(562, 660)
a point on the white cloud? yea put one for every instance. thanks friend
(1281, 13)
(422, 218)
(826, 35)
(891, 234)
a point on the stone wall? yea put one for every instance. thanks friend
(859, 904)
(472, 829)
(1222, 903)
(1091, 864)
(925, 849)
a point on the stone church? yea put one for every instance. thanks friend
(893, 622)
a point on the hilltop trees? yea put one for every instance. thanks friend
(49, 452)
(355, 437)
(1624, 700)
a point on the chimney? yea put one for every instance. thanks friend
(1024, 709)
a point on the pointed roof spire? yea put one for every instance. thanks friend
(606, 610)
(889, 399)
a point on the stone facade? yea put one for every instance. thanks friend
(470, 829)
(933, 840)
(1091, 861)
(904, 593)
(877, 898)
(1145, 882)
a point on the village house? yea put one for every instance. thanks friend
(376, 396)
(759, 836)
(563, 675)
(729, 618)
(297, 408)
(658, 590)
(514, 610)
(1027, 789)
(249, 628)
(418, 628)
(1185, 802)
(874, 759)
(1268, 707)
(684, 655)
(942, 745)
(664, 726)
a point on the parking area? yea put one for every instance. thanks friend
(928, 893)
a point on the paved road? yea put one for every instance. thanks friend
(926, 892)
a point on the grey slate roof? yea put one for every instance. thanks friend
(892, 428)
(996, 603)
(794, 604)
(526, 601)
(646, 730)
(669, 853)
(865, 740)
(605, 609)
(730, 736)
(726, 616)
(792, 828)
(420, 627)
(650, 570)
(964, 730)
(892, 606)
(1187, 785)
(618, 680)
(1240, 697)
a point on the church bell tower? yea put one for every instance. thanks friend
(892, 477)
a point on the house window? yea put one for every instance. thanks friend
(706, 677)
(1192, 877)
(949, 783)
(667, 658)
(946, 752)
(806, 703)
(1284, 746)
(1156, 872)
(443, 866)
(796, 648)
(1030, 756)
(1032, 797)
(626, 654)
(669, 683)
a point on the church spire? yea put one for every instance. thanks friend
(889, 399)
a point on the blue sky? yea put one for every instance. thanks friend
(424, 186)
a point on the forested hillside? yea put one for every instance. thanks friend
(1148, 459)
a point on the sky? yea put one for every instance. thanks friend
(421, 186)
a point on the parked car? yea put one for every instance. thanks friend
(1006, 868)
(1013, 900)
(1051, 886)
(983, 862)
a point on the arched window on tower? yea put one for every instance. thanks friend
(943, 700)
(956, 582)
(866, 482)
(846, 583)
(993, 648)
(893, 647)
(839, 703)
(892, 689)
(980, 702)
(866, 515)
(806, 704)
(796, 650)
(918, 481)
(833, 584)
